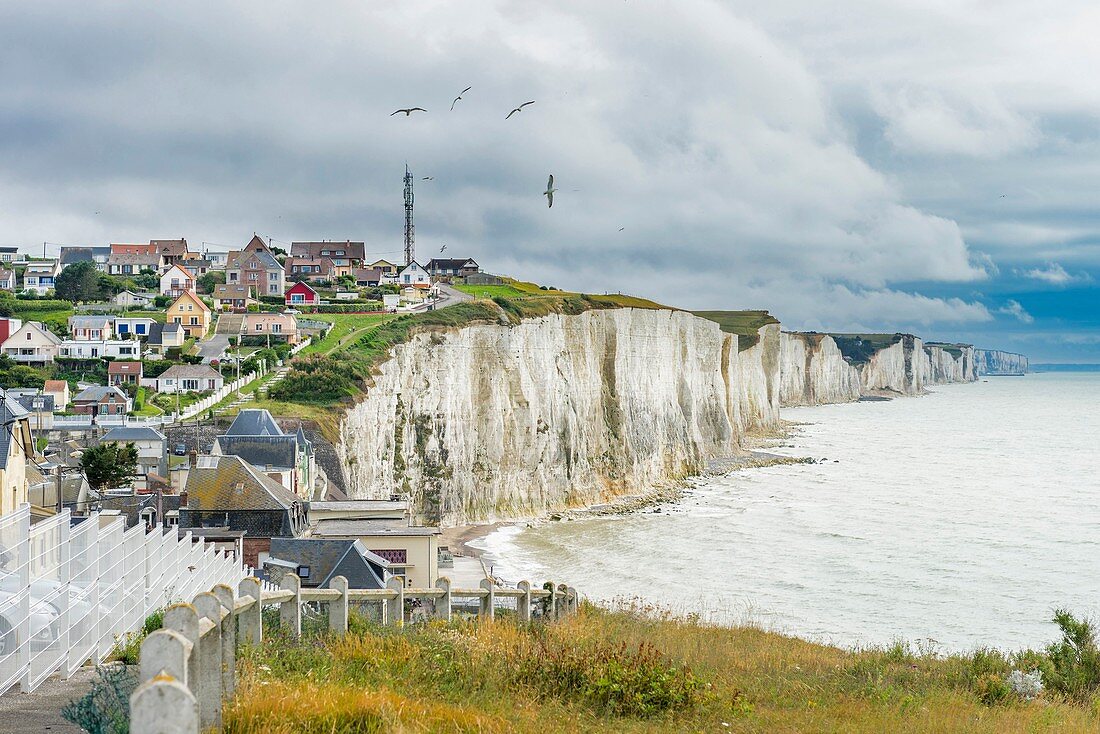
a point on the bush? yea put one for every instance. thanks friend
(1074, 661)
(22, 305)
(105, 708)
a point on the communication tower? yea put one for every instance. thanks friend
(410, 230)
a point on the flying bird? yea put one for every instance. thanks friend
(467, 89)
(428, 178)
(408, 111)
(441, 249)
(519, 109)
(549, 193)
(621, 228)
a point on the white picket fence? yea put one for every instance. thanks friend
(62, 422)
(214, 398)
(67, 593)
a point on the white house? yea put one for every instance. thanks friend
(32, 343)
(138, 326)
(175, 281)
(189, 378)
(97, 349)
(129, 299)
(40, 275)
(151, 446)
(7, 279)
(90, 328)
(413, 274)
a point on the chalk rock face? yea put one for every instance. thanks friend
(496, 421)
(994, 362)
(814, 372)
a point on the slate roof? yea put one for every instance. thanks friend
(368, 274)
(89, 322)
(133, 433)
(11, 412)
(236, 260)
(328, 558)
(336, 527)
(261, 451)
(228, 291)
(447, 263)
(70, 255)
(127, 258)
(170, 247)
(96, 393)
(28, 401)
(221, 483)
(254, 422)
(352, 250)
(190, 372)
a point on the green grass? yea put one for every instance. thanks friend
(955, 350)
(345, 327)
(148, 410)
(745, 324)
(50, 318)
(631, 670)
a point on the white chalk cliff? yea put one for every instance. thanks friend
(994, 362)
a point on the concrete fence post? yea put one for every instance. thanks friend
(552, 601)
(488, 602)
(338, 608)
(229, 640)
(523, 603)
(163, 705)
(251, 621)
(443, 603)
(184, 619)
(290, 612)
(574, 600)
(563, 592)
(164, 651)
(395, 608)
(209, 689)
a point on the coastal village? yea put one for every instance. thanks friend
(152, 356)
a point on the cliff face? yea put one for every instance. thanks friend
(814, 371)
(501, 421)
(993, 362)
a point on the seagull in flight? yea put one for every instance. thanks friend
(549, 193)
(428, 178)
(408, 111)
(441, 249)
(467, 89)
(519, 109)
(621, 228)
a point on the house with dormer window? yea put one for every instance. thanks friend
(256, 267)
(190, 313)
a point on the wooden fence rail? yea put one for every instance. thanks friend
(187, 669)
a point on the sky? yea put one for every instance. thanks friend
(853, 166)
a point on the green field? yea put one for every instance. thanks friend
(346, 327)
(745, 324)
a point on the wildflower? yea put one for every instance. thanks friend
(1026, 685)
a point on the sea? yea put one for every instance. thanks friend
(952, 521)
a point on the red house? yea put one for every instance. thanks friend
(301, 295)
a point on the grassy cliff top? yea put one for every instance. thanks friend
(745, 324)
(629, 671)
(856, 348)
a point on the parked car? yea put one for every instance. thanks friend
(181, 449)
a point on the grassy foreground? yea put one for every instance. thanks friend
(628, 671)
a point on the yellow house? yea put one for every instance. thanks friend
(413, 551)
(191, 313)
(15, 443)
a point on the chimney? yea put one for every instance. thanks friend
(183, 498)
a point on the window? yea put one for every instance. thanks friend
(194, 321)
(253, 276)
(139, 328)
(124, 329)
(190, 384)
(303, 572)
(232, 277)
(177, 320)
(277, 328)
(296, 298)
(259, 327)
(273, 288)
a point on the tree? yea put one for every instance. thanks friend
(208, 281)
(78, 282)
(109, 465)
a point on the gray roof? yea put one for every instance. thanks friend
(261, 451)
(98, 392)
(328, 558)
(27, 401)
(190, 371)
(89, 322)
(360, 505)
(133, 433)
(338, 527)
(254, 422)
(10, 413)
(172, 327)
(70, 255)
(231, 483)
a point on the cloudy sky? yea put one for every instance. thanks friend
(928, 166)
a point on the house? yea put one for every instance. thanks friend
(127, 259)
(301, 294)
(32, 343)
(133, 326)
(40, 275)
(198, 267)
(89, 328)
(385, 266)
(287, 457)
(175, 281)
(228, 492)
(96, 255)
(317, 561)
(279, 325)
(7, 279)
(8, 326)
(412, 551)
(116, 348)
(190, 311)
(392, 510)
(163, 337)
(255, 266)
(129, 299)
(102, 400)
(16, 451)
(151, 445)
(189, 378)
(124, 373)
(42, 492)
(415, 275)
(233, 297)
(346, 254)
(10, 254)
(310, 268)
(59, 389)
(368, 277)
(39, 407)
(217, 260)
(447, 268)
(414, 293)
(170, 251)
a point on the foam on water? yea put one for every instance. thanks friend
(964, 517)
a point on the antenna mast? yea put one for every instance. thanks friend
(410, 230)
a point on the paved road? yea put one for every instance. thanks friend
(33, 713)
(451, 296)
(213, 347)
